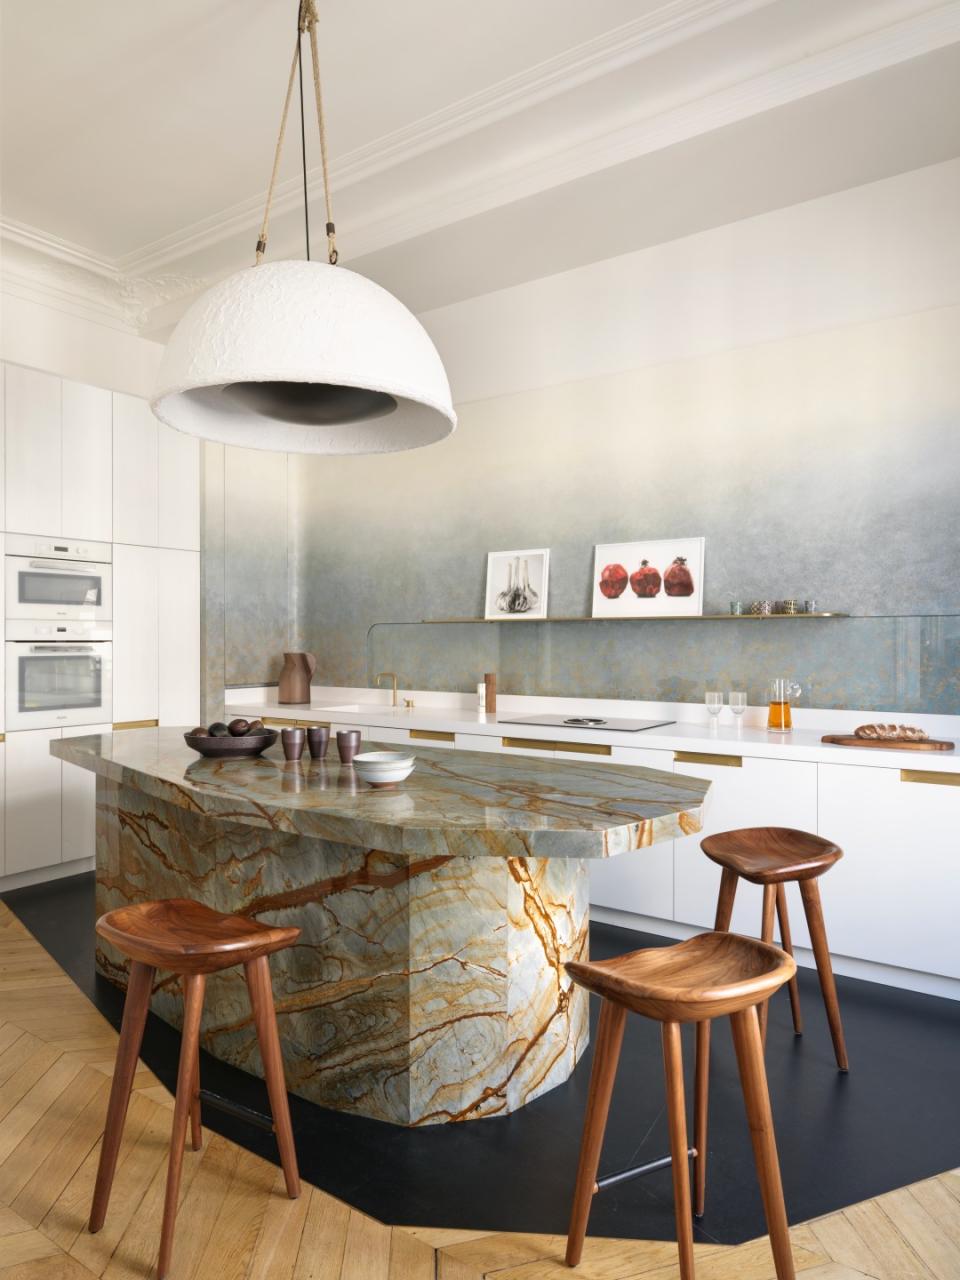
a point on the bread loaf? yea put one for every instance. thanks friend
(891, 732)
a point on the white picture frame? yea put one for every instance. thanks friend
(661, 577)
(512, 577)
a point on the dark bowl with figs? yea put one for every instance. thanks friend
(240, 738)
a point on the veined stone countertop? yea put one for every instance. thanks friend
(455, 803)
(747, 739)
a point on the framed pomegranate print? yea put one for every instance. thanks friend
(648, 579)
(517, 585)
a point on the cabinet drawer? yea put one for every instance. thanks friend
(894, 896)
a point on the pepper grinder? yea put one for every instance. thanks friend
(490, 692)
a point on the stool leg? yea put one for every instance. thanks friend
(728, 892)
(135, 1008)
(196, 1132)
(677, 1119)
(606, 1055)
(810, 892)
(700, 1099)
(753, 1080)
(766, 935)
(193, 985)
(264, 1015)
(787, 943)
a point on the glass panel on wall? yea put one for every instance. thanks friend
(910, 664)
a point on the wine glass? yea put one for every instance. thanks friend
(714, 701)
(738, 701)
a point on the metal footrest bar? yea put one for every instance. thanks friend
(625, 1175)
(236, 1109)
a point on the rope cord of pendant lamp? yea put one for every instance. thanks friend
(307, 22)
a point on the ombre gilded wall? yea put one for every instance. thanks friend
(818, 459)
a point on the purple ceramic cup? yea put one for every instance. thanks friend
(293, 741)
(318, 739)
(348, 744)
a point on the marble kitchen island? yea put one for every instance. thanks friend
(428, 983)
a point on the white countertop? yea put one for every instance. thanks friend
(724, 738)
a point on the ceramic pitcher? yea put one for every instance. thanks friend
(298, 669)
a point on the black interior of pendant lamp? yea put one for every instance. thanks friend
(309, 403)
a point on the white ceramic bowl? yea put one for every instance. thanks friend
(383, 768)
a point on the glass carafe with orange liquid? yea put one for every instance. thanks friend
(782, 691)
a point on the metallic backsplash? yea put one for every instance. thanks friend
(821, 467)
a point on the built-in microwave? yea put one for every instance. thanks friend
(59, 580)
(58, 674)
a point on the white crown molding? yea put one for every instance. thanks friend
(874, 51)
(54, 273)
(128, 289)
(480, 193)
(74, 255)
(670, 24)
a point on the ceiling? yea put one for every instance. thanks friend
(472, 146)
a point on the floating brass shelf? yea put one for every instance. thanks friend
(664, 617)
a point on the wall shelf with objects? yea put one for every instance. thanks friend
(662, 617)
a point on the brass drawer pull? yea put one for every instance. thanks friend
(431, 735)
(585, 748)
(928, 775)
(545, 744)
(707, 757)
(136, 724)
(314, 724)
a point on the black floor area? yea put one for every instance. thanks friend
(893, 1120)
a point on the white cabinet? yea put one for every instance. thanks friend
(178, 489)
(135, 471)
(136, 644)
(78, 807)
(32, 449)
(58, 456)
(3, 436)
(86, 463)
(640, 881)
(178, 621)
(894, 896)
(32, 810)
(754, 793)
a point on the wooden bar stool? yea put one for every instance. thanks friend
(705, 977)
(192, 940)
(771, 856)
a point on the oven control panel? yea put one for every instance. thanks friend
(26, 544)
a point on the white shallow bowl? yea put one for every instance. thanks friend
(383, 768)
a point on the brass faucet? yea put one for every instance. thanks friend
(392, 675)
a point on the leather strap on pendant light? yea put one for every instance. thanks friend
(307, 22)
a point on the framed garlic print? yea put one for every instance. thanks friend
(517, 585)
(648, 579)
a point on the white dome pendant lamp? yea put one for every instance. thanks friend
(301, 356)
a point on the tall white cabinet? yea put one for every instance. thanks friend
(87, 463)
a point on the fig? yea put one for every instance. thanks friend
(645, 581)
(678, 580)
(218, 730)
(238, 727)
(199, 732)
(256, 726)
(613, 581)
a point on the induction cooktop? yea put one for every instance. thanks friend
(589, 722)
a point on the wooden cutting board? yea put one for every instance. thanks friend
(890, 744)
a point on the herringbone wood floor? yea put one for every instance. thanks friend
(235, 1223)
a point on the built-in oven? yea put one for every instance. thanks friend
(56, 579)
(58, 674)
